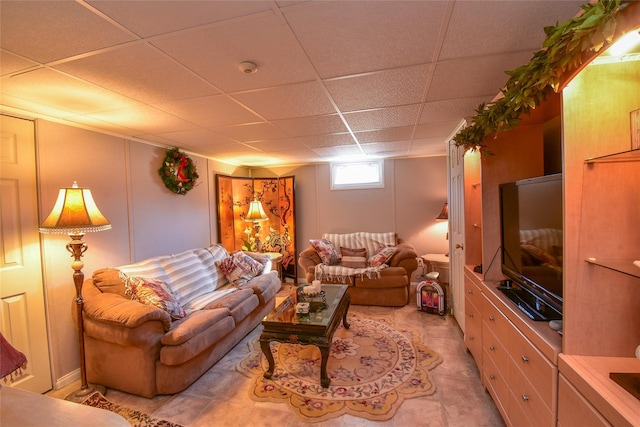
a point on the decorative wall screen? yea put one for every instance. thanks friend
(275, 234)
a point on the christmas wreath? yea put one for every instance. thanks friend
(178, 172)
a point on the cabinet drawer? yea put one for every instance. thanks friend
(497, 387)
(535, 367)
(574, 410)
(495, 320)
(473, 331)
(472, 292)
(525, 397)
(494, 349)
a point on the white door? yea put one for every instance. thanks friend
(456, 230)
(22, 310)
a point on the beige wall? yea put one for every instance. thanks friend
(149, 220)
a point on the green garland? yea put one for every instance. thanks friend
(528, 85)
(178, 172)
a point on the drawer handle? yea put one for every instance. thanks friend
(492, 347)
(470, 292)
(525, 398)
(492, 377)
(525, 359)
(470, 314)
(471, 338)
(491, 318)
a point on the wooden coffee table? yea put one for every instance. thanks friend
(283, 324)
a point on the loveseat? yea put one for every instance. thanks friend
(156, 326)
(376, 266)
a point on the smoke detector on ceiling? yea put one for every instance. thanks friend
(248, 67)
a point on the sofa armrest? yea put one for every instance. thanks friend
(405, 257)
(117, 310)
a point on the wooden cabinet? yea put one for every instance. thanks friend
(574, 410)
(473, 319)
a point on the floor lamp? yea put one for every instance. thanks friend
(75, 213)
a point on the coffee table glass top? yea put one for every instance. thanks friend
(319, 313)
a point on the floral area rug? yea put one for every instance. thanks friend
(135, 418)
(373, 368)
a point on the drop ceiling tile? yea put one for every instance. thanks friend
(294, 157)
(196, 137)
(312, 125)
(344, 152)
(45, 31)
(400, 86)
(251, 132)
(171, 16)
(385, 135)
(210, 111)
(10, 63)
(405, 115)
(473, 77)
(140, 72)
(285, 144)
(56, 90)
(435, 130)
(471, 30)
(331, 140)
(215, 53)
(397, 148)
(285, 102)
(428, 147)
(451, 109)
(145, 120)
(366, 36)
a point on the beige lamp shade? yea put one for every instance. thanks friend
(256, 212)
(74, 213)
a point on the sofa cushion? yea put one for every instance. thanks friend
(353, 258)
(187, 276)
(382, 255)
(181, 353)
(265, 286)
(153, 292)
(239, 303)
(390, 277)
(326, 251)
(108, 281)
(239, 268)
(185, 329)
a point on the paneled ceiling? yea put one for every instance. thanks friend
(335, 80)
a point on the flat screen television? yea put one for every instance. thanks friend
(531, 231)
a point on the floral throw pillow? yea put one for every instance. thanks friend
(239, 268)
(153, 292)
(353, 258)
(326, 251)
(382, 255)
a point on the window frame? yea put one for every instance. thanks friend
(379, 183)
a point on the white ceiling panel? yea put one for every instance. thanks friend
(216, 52)
(353, 37)
(388, 88)
(149, 18)
(140, 72)
(45, 31)
(210, 111)
(335, 79)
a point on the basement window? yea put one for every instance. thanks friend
(357, 175)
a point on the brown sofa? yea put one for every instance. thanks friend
(388, 286)
(140, 349)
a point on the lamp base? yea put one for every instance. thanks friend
(81, 394)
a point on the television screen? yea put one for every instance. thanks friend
(531, 222)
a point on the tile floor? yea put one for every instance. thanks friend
(220, 397)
